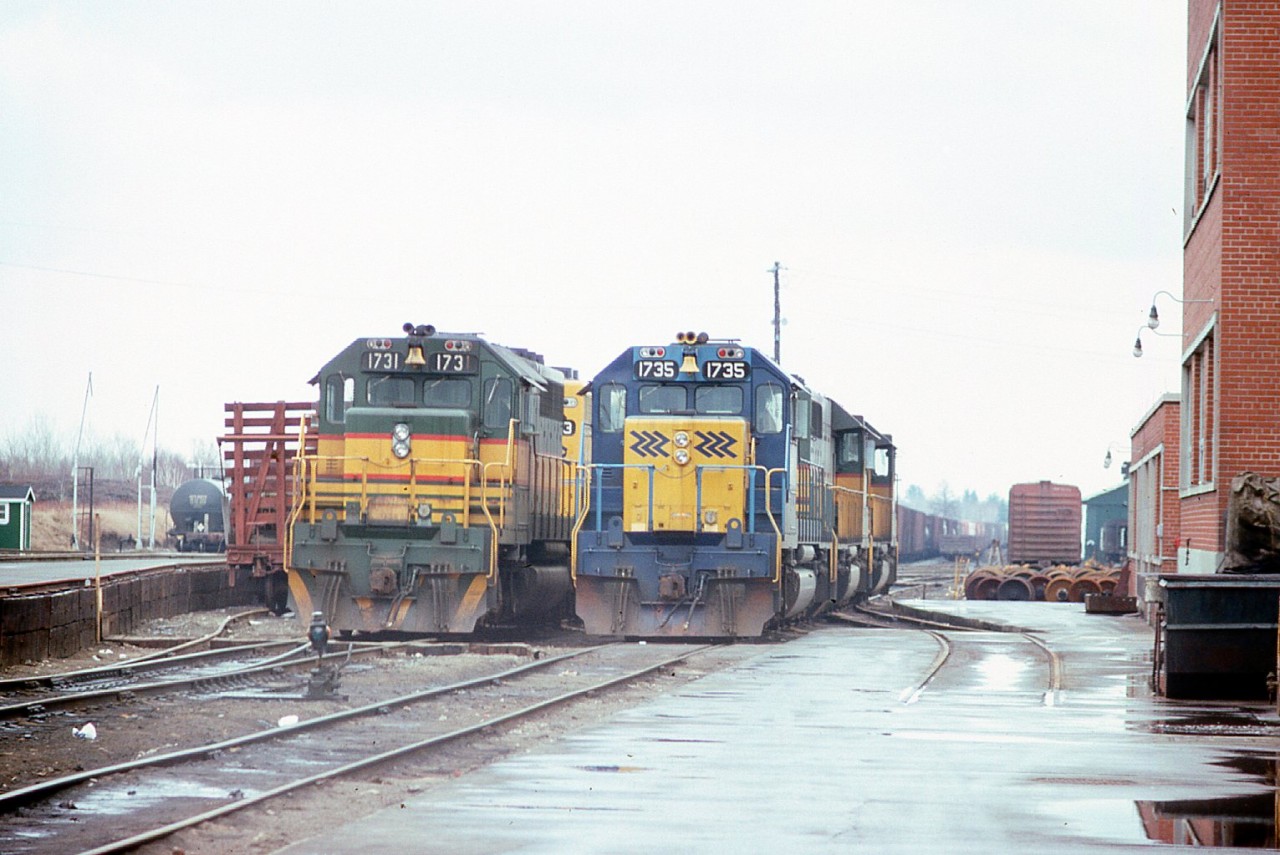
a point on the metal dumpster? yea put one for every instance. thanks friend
(1219, 635)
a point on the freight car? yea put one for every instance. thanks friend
(922, 535)
(725, 497)
(1044, 523)
(435, 499)
(258, 450)
(197, 511)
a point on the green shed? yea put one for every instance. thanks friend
(16, 504)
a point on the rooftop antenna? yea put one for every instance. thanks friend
(75, 469)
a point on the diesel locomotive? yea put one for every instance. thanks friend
(436, 496)
(724, 497)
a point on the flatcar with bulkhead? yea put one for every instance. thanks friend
(198, 520)
(725, 497)
(435, 498)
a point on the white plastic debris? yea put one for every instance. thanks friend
(287, 721)
(86, 732)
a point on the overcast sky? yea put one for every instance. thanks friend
(973, 203)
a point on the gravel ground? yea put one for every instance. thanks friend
(45, 748)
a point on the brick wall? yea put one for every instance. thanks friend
(1231, 258)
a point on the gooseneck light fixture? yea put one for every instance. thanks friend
(1153, 318)
(1137, 341)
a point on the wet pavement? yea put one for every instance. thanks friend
(835, 742)
(15, 574)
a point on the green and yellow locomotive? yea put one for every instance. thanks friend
(725, 497)
(435, 499)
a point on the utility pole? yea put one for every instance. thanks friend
(75, 469)
(777, 315)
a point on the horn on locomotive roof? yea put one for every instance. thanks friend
(692, 338)
(421, 329)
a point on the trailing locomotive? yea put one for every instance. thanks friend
(434, 499)
(197, 511)
(725, 497)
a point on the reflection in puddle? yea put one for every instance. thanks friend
(1238, 821)
(1001, 672)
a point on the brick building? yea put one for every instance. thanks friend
(1154, 504)
(1230, 411)
(1226, 419)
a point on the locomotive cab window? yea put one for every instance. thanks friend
(769, 403)
(849, 450)
(497, 402)
(450, 392)
(718, 400)
(389, 391)
(613, 407)
(339, 395)
(662, 399)
(801, 411)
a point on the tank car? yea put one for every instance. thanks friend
(724, 497)
(434, 500)
(197, 511)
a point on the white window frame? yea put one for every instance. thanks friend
(1204, 130)
(1204, 414)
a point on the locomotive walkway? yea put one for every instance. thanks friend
(878, 740)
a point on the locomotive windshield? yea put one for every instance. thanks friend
(718, 400)
(662, 399)
(447, 392)
(388, 390)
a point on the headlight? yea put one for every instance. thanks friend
(709, 516)
(424, 512)
(682, 456)
(682, 439)
(400, 448)
(400, 432)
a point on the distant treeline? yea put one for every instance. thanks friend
(37, 454)
(965, 506)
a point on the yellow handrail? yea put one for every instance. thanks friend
(577, 524)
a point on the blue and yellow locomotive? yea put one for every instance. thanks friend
(725, 497)
(435, 499)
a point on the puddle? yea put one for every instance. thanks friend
(1241, 822)
(1244, 822)
(1001, 673)
(1224, 723)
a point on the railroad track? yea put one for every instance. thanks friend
(150, 798)
(198, 671)
(946, 650)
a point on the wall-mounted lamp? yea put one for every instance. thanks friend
(1153, 319)
(1137, 341)
(1106, 461)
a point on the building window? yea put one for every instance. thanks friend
(1199, 420)
(4, 513)
(1204, 129)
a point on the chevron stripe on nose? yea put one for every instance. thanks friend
(648, 443)
(716, 443)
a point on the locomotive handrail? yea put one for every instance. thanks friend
(768, 508)
(750, 470)
(502, 498)
(585, 473)
(600, 488)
